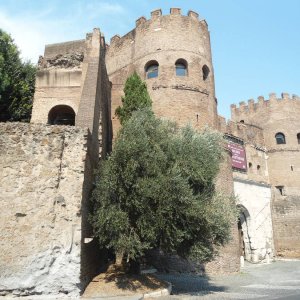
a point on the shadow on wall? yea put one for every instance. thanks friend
(243, 227)
(61, 115)
(93, 259)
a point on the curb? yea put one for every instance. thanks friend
(164, 292)
(287, 259)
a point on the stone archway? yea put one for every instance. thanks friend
(244, 232)
(61, 115)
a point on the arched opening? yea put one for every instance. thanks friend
(205, 72)
(61, 115)
(280, 138)
(151, 69)
(298, 137)
(244, 236)
(181, 67)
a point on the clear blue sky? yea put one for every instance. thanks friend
(255, 43)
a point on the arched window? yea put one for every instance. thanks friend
(298, 137)
(181, 67)
(280, 138)
(151, 69)
(61, 115)
(205, 72)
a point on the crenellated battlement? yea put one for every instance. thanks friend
(115, 38)
(262, 103)
(156, 14)
(173, 11)
(165, 40)
(140, 21)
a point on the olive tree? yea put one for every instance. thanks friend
(156, 190)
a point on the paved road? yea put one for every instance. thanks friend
(278, 280)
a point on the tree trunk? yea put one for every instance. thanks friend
(119, 258)
(134, 267)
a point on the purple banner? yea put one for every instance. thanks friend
(238, 156)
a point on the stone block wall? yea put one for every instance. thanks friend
(45, 181)
(58, 79)
(254, 200)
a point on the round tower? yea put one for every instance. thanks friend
(280, 122)
(172, 54)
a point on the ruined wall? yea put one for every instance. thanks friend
(44, 189)
(74, 74)
(58, 79)
(165, 39)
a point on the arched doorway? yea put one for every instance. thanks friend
(61, 115)
(244, 234)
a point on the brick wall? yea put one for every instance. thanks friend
(228, 260)
(282, 162)
(286, 216)
(165, 39)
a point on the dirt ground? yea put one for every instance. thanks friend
(116, 283)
